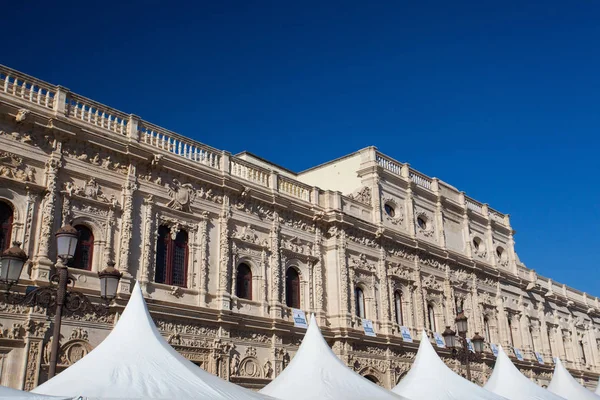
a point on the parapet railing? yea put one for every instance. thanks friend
(89, 112)
(403, 170)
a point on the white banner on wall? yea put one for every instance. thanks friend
(299, 318)
(494, 349)
(539, 357)
(518, 354)
(406, 334)
(470, 346)
(439, 340)
(368, 327)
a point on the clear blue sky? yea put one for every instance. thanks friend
(500, 99)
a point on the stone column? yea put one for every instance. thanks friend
(34, 337)
(318, 281)
(420, 306)
(47, 229)
(345, 307)
(126, 231)
(277, 269)
(204, 267)
(386, 316)
(148, 240)
(109, 232)
(224, 294)
(465, 223)
(544, 339)
(503, 328)
(489, 238)
(263, 283)
(29, 211)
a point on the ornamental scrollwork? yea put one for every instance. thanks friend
(362, 195)
(182, 195)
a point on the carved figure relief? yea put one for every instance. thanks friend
(362, 195)
(182, 195)
(361, 262)
(13, 167)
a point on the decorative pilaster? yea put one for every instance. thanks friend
(47, 230)
(318, 281)
(109, 234)
(34, 337)
(345, 282)
(29, 209)
(277, 269)
(439, 214)
(224, 293)
(204, 267)
(465, 223)
(503, 327)
(126, 231)
(420, 306)
(263, 283)
(147, 242)
(386, 317)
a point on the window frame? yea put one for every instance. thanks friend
(168, 249)
(359, 303)
(246, 277)
(6, 227)
(398, 307)
(76, 261)
(289, 294)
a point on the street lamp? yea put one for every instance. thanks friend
(11, 265)
(460, 345)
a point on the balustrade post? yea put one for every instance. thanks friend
(315, 196)
(225, 161)
(60, 101)
(274, 181)
(405, 171)
(132, 127)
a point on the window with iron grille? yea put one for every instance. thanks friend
(85, 249)
(171, 257)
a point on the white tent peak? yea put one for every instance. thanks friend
(429, 378)
(563, 384)
(506, 380)
(315, 372)
(136, 362)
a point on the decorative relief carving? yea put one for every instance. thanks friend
(248, 234)
(289, 218)
(182, 195)
(361, 262)
(362, 195)
(96, 156)
(249, 336)
(12, 166)
(31, 371)
(430, 282)
(398, 217)
(91, 190)
(400, 271)
(296, 245)
(359, 237)
(246, 203)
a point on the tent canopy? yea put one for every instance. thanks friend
(564, 385)
(507, 381)
(14, 394)
(429, 378)
(136, 362)
(316, 373)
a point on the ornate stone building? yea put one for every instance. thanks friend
(224, 246)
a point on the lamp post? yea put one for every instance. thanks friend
(460, 345)
(12, 262)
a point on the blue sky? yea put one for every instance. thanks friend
(500, 99)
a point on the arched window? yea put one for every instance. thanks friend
(6, 223)
(510, 332)
(460, 305)
(243, 283)
(171, 257)
(431, 317)
(292, 288)
(486, 327)
(85, 249)
(398, 306)
(359, 297)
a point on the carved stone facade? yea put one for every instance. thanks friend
(413, 245)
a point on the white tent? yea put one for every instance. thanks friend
(598, 388)
(507, 381)
(563, 384)
(429, 378)
(316, 373)
(14, 394)
(136, 362)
